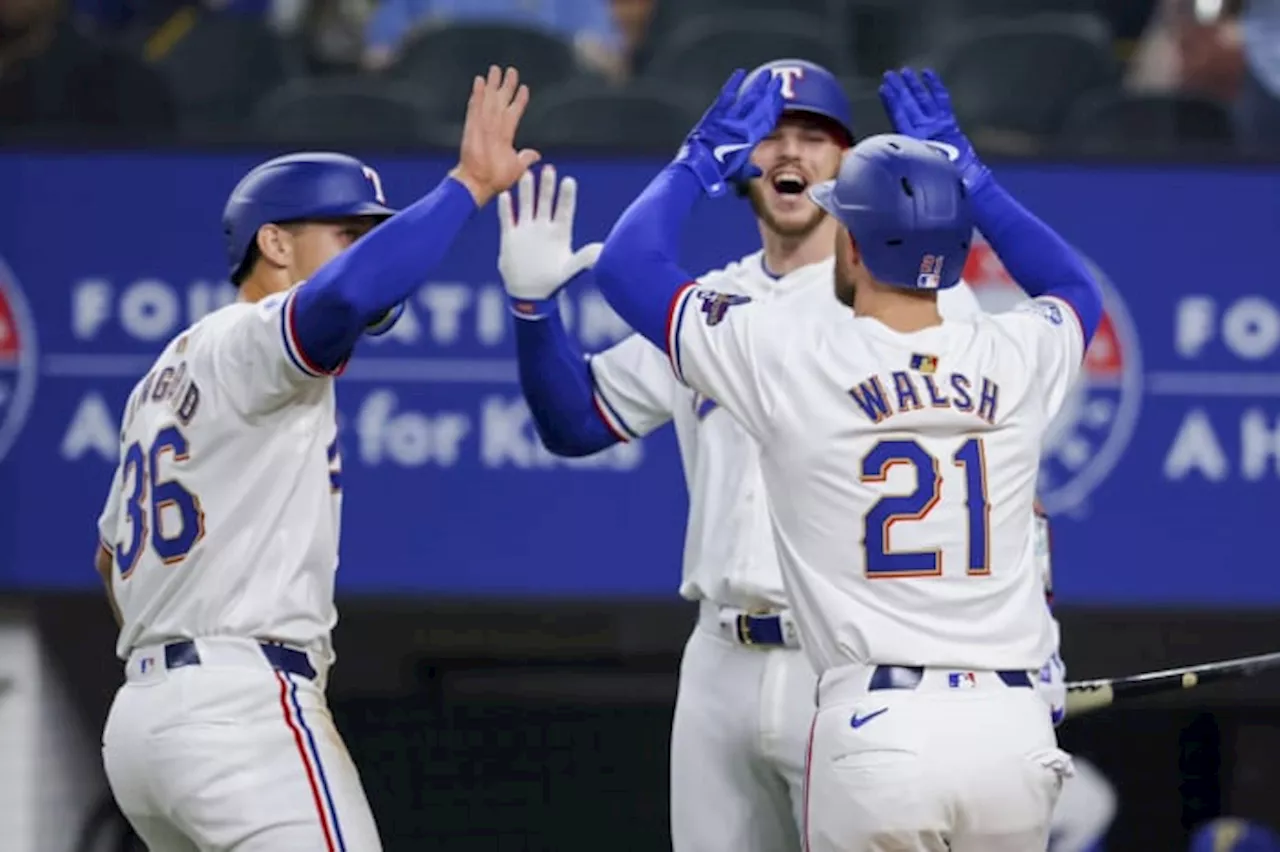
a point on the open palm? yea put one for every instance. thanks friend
(489, 162)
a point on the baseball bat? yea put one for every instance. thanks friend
(1085, 696)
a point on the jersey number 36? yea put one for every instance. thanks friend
(153, 500)
(970, 458)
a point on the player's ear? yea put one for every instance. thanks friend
(847, 245)
(275, 245)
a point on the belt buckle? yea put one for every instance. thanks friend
(744, 624)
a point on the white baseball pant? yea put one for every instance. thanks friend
(234, 753)
(738, 742)
(911, 760)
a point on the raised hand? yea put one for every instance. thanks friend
(489, 162)
(920, 107)
(718, 149)
(535, 255)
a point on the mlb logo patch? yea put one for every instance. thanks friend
(716, 305)
(146, 664)
(927, 364)
(930, 277)
(962, 680)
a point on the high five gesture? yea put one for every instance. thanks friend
(489, 162)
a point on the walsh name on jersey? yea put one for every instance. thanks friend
(915, 391)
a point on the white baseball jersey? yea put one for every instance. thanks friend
(223, 515)
(900, 468)
(729, 554)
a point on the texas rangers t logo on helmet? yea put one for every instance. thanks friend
(377, 184)
(789, 74)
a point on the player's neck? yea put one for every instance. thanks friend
(256, 287)
(904, 312)
(784, 254)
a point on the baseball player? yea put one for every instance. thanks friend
(219, 539)
(745, 694)
(899, 454)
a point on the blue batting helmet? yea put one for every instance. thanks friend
(905, 205)
(294, 188)
(809, 88)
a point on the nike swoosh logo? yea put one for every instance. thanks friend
(722, 151)
(952, 152)
(858, 722)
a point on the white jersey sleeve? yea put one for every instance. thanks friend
(634, 386)
(727, 347)
(958, 302)
(1050, 338)
(256, 357)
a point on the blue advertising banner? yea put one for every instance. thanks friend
(1163, 473)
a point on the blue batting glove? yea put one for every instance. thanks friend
(920, 107)
(718, 150)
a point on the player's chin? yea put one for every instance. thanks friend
(787, 213)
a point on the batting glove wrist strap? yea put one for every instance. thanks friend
(698, 159)
(532, 309)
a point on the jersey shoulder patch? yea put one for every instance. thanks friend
(715, 305)
(1049, 311)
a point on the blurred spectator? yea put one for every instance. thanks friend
(53, 76)
(1211, 50)
(333, 32)
(587, 24)
(1258, 104)
(621, 59)
(1190, 46)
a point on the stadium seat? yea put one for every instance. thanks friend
(339, 110)
(699, 57)
(217, 67)
(883, 33)
(589, 114)
(1024, 76)
(869, 117)
(444, 60)
(1119, 121)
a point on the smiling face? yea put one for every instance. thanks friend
(801, 151)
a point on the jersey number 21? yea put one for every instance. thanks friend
(880, 562)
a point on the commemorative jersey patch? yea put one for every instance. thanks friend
(1047, 310)
(716, 305)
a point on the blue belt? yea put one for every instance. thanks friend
(909, 677)
(761, 630)
(282, 659)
